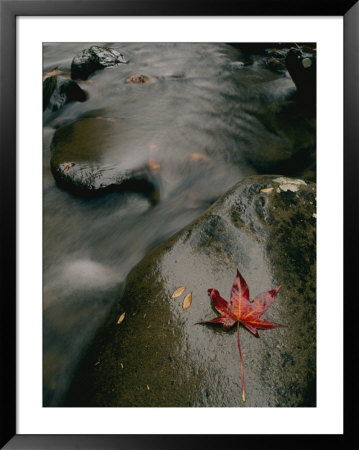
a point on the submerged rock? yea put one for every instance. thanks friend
(93, 59)
(48, 87)
(159, 355)
(86, 159)
(63, 91)
(139, 79)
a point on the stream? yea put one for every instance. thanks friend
(210, 115)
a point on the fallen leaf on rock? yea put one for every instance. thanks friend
(122, 316)
(67, 166)
(241, 310)
(178, 291)
(187, 301)
(266, 190)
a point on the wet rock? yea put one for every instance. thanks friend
(48, 87)
(139, 79)
(271, 47)
(160, 356)
(275, 64)
(86, 161)
(303, 70)
(64, 91)
(93, 59)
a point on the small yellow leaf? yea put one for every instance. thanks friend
(265, 190)
(148, 388)
(187, 301)
(178, 291)
(154, 166)
(122, 316)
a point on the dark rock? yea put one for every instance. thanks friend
(275, 64)
(266, 47)
(93, 59)
(48, 87)
(265, 226)
(78, 160)
(66, 91)
(303, 70)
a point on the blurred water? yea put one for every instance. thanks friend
(206, 120)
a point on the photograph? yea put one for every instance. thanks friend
(177, 203)
(179, 224)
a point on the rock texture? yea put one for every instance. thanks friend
(93, 59)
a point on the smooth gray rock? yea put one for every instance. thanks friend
(160, 356)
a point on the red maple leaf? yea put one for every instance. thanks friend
(241, 310)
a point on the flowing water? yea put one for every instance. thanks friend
(206, 119)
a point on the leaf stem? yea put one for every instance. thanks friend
(242, 371)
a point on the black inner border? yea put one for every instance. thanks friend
(9, 10)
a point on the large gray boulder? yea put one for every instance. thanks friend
(160, 356)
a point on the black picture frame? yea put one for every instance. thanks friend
(9, 10)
